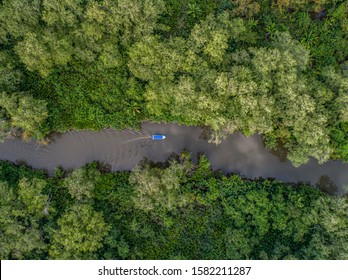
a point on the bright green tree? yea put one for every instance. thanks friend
(81, 183)
(24, 112)
(31, 193)
(157, 189)
(42, 52)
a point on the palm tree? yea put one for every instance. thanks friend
(194, 10)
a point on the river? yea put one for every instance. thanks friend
(122, 150)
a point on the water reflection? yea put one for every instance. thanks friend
(280, 152)
(326, 185)
(124, 149)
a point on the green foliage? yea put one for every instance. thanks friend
(154, 60)
(181, 211)
(21, 236)
(91, 97)
(158, 189)
(10, 75)
(63, 13)
(247, 8)
(283, 5)
(339, 138)
(180, 16)
(18, 18)
(81, 183)
(42, 53)
(232, 218)
(24, 112)
(13, 174)
(270, 67)
(30, 192)
(80, 233)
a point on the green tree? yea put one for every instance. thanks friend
(18, 18)
(283, 5)
(42, 52)
(157, 189)
(212, 35)
(31, 194)
(80, 234)
(151, 59)
(126, 21)
(24, 112)
(247, 8)
(66, 13)
(81, 183)
(10, 76)
(20, 234)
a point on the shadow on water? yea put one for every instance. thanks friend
(326, 185)
(205, 134)
(280, 152)
(122, 150)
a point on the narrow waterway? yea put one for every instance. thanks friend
(124, 149)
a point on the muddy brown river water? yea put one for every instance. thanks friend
(246, 156)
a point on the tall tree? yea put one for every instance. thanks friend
(31, 193)
(81, 183)
(42, 52)
(158, 189)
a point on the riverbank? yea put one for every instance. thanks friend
(179, 211)
(122, 150)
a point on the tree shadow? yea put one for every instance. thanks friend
(280, 152)
(326, 185)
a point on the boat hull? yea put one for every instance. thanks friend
(158, 137)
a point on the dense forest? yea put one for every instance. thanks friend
(179, 210)
(278, 68)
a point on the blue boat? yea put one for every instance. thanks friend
(158, 137)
